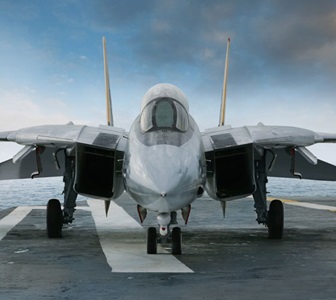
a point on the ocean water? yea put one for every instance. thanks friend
(26, 192)
(301, 189)
(39, 191)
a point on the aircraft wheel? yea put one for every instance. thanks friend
(275, 220)
(176, 241)
(151, 241)
(54, 219)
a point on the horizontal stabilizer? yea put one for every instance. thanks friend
(26, 166)
(282, 167)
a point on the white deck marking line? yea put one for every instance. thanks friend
(123, 241)
(12, 219)
(45, 207)
(307, 205)
(18, 214)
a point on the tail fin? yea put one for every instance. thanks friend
(223, 104)
(108, 103)
(107, 88)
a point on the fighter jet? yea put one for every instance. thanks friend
(164, 163)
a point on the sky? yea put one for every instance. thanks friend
(282, 66)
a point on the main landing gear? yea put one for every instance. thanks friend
(55, 216)
(54, 219)
(274, 217)
(275, 220)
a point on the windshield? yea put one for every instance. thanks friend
(164, 113)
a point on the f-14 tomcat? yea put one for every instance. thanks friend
(165, 163)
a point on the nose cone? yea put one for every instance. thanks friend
(164, 178)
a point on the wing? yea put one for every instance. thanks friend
(45, 147)
(234, 154)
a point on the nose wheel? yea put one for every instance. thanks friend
(175, 238)
(151, 240)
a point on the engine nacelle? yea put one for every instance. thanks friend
(98, 172)
(230, 172)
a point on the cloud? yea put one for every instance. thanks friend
(289, 30)
(268, 38)
(19, 108)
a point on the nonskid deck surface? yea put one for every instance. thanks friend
(106, 257)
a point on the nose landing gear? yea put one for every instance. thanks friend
(175, 237)
(151, 240)
(165, 236)
(176, 240)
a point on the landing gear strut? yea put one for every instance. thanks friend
(274, 217)
(70, 195)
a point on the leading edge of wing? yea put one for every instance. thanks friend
(66, 135)
(263, 136)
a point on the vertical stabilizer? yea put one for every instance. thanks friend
(107, 88)
(223, 103)
(108, 102)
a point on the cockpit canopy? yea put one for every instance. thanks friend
(164, 114)
(164, 107)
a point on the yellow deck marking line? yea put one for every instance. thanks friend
(306, 204)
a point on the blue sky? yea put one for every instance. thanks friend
(282, 66)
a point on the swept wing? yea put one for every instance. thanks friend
(235, 154)
(51, 139)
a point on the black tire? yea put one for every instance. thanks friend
(176, 241)
(151, 240)
(275, 220)
(54, 219)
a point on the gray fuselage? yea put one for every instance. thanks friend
(164, 167)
